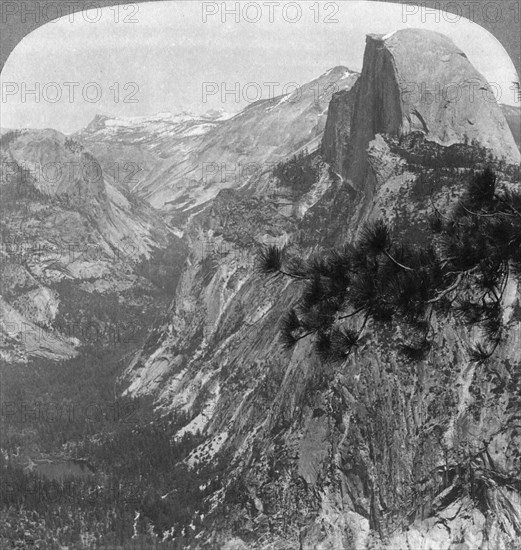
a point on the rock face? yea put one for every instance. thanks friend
(59, 170)
(70, 232)
(187, 164)
(335, 144)
(513, 117)
(417, 80)
(379, 452)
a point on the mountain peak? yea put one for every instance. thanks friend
(415, 80)
(413, 34)
(97, 123)
(337, 72)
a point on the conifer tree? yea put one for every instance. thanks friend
(462, 273)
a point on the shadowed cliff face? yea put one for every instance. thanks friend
(337, 133)
(513, 117)
(379, 452)
(416, 80)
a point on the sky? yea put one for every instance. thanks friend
(143, 59)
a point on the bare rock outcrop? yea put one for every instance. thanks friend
(381, 451)
(337, 133)
(419, 81)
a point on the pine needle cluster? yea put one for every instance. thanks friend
(462, 273)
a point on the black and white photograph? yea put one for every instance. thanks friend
(260, 275)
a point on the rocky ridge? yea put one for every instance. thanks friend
(68, 229)
(226, 154)
(433, 89)
(380, 452)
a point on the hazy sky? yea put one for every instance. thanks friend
(160, 55)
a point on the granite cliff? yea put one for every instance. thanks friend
(432, 89)
(71, 234)
(381, 452)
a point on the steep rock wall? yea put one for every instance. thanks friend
(379, 452)
(417, 80)
(335, 143)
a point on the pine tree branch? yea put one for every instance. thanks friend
(397, 262)
(364, 324)
(436, 209)
(447, 290)
(505, 280)
(445, 261)
(293, 276)
(351, 314)
(481, 215)
(501, 199)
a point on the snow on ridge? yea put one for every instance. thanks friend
(283, 99)
(167, 117)
(226, 116)
(388, 35)
(199, 130)
(159, 118)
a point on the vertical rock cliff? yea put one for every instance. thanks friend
(380, 452)
(337, 133)
(416, 80)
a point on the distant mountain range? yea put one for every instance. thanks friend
(201, 156)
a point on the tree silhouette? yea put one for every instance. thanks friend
(462, 272)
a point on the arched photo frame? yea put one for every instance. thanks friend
(500, 17)
(114, 252)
